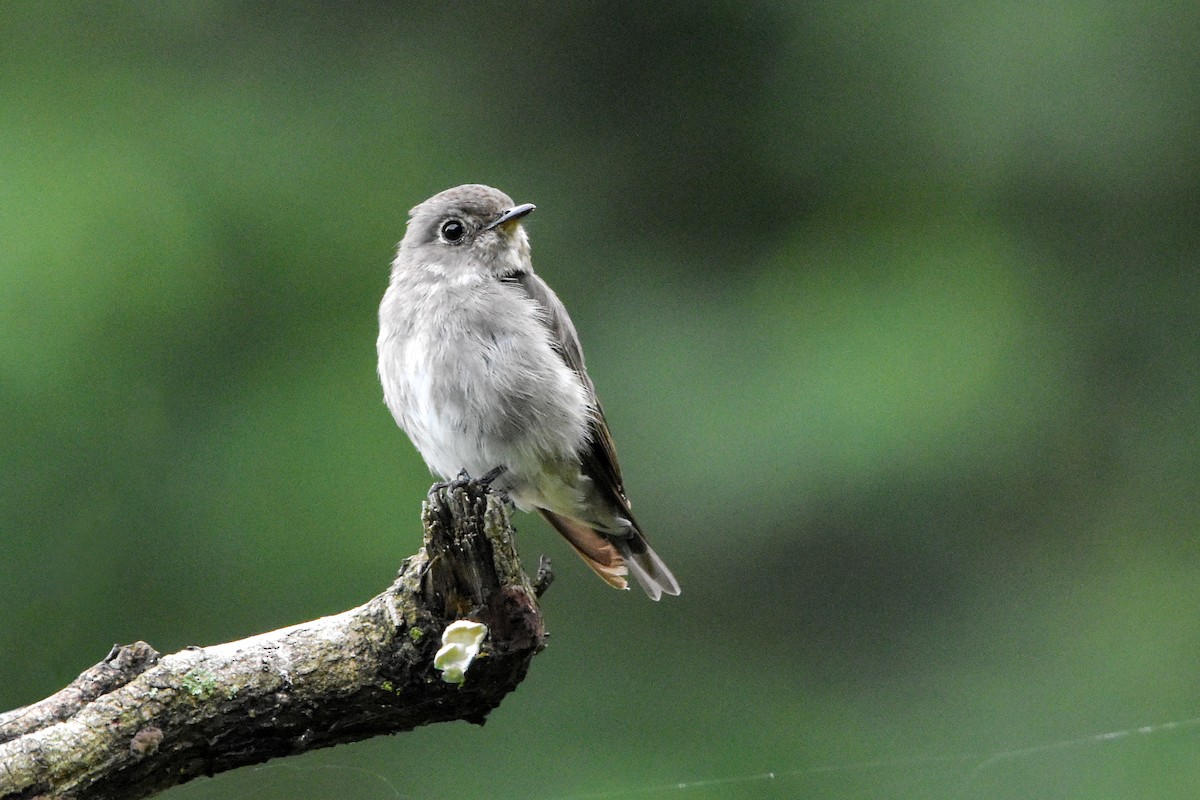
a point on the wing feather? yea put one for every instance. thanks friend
(599, 460)
(612, 554)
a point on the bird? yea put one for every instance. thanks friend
(482, 368)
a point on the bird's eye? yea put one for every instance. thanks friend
(453, 230)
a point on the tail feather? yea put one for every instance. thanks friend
(613, 558)
(646, 567)
(597, 551)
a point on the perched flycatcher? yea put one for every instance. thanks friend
(482, 368)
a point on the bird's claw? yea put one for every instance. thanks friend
(491, 475)
(464, 479)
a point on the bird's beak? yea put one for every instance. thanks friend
(513, 214)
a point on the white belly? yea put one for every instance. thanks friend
(477, 405)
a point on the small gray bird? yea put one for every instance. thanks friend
(482, 368)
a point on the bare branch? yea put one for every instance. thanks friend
(138, 723)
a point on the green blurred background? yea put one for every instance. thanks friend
(893, 308)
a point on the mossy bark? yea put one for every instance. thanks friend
(138, 722)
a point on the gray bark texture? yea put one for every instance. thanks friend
(139, 722)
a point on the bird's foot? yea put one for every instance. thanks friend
(459, 481)
(485, 483)
(491, 475)
(463, 479)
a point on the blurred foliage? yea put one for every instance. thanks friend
(893, 308)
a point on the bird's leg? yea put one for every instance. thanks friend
(460, 480)
(463, 478)
(485, 483)
(491, 475)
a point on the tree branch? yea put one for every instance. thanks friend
(138, 723)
